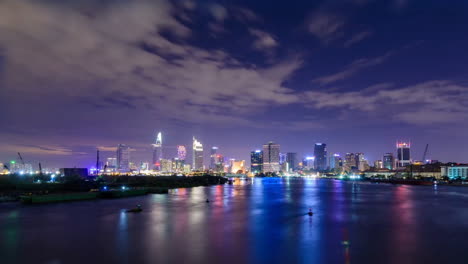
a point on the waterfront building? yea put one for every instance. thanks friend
(213, 158)
(308, 163)
(455, 171)
(123, 158)
(166, 165)
(403, 154)
(361, 162)
(271, 157)
(291, 161)
(388, 161)
(350, 162)
(336, 163)
(187, 168)
(256, 161)
(282, 158)
(378, 164)
(320, 153)
(178, 165)
(197, 155)
(237, 166)
(181, 152)
(111, 164)
(157, 152)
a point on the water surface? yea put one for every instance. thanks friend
(263, 221)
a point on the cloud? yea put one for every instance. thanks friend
(357, 38)
(263, 39)
(353, 68)
(219, 12)
(425, 103)
(41, 149)
(326, 26)
(106, 63)
(107, 149)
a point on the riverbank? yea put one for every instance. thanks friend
(14, 188)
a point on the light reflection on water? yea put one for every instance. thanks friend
(257, 221)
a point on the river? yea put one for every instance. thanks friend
(259, 221)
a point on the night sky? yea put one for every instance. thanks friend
(355, 74)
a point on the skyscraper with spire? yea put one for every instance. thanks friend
(157, 152)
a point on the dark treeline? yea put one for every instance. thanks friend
(15, 185)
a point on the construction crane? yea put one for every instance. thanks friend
(21, 158)
(425, 153)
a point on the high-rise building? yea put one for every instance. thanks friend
(388, 161)
(256, 161)
(378, 164)
(123, 158)
(320, 153)
(197, 156)
(213, 157)
(308, 163)
(291, 161)
(178, 165)
(166, 165)
(403, 154)
(350, 162)
(181, 152)
(157, 152)
(271, 153)
(361, 162)
(336, 163)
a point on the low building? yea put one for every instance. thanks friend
(453, 171)
(82, 172)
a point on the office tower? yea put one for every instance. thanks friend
(378, 164)
(181, 152)
(361, 162)
(213, 157)
(256, 161)
(308, 163)
(403, 154)
(291, 160)
(282, 158)
(157, 152)
(178, 165)
(197, 156)
(166, 165)
(271, 157)
(388, 161)
(111, 164)
(123, 158)
(320, 153)
(336, 163)
(350, 162)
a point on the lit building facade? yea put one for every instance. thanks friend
(403, 154)
(181, 152)
(320, 153)
(123, 158)
(256, 161)
(197, 157)
(237, 166)
(291, 161)
(378, 164)
(271, 160)
(157, 152)
(213, 158)
(388, 161)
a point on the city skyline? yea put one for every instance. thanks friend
(353, 74)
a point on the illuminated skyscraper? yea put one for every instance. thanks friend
(403, 154)
(197, 156)
(350, 162)
(236, 166)
(123, 158)
(213, 157)
(388, 161)
(181, 152)
(320, 152)
(157, 152)
(271, 153)
(291, 160)
(256, 161)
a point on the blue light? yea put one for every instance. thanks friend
(123, 187)
(105, 188)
